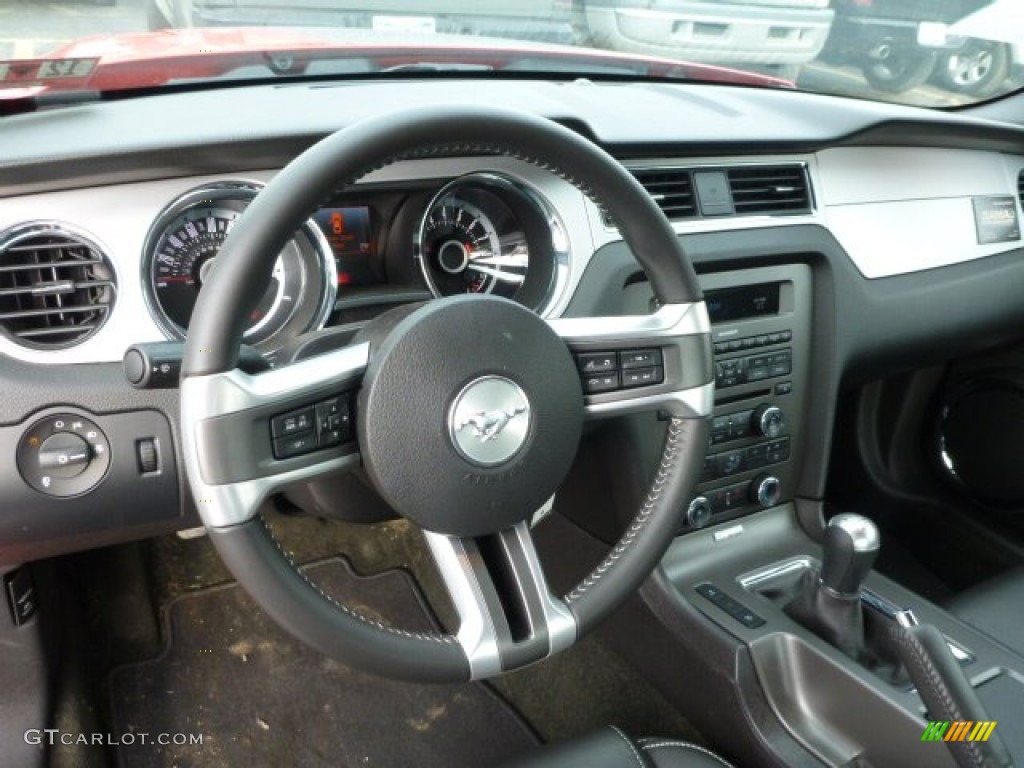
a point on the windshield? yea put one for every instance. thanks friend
(935, 53)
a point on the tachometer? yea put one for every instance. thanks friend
(484, 233)
(465, 253)
(182, 249)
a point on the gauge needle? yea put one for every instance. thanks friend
(504, 260)
(497, 274)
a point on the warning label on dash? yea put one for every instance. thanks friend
(995, 219)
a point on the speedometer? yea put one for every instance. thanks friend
(182, 250)
(485, 233)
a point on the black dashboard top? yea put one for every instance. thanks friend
(261, 126)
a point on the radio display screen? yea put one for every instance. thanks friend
(729, 304)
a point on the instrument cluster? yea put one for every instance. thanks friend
(369, 249)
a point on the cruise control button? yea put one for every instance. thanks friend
(640, 358)
(597, 362)
(595, 384)
(330, 437)
(294, 423)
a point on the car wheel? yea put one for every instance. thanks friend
(977, 69)
(895, 68)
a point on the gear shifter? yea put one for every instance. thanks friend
(850, 548)
(828, 603)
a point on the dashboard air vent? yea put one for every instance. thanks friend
(56, 287)
(771, 189)
(1020, 187)
(671, 189)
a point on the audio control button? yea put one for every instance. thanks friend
(768, 420)
(642, 377)
(640, 358)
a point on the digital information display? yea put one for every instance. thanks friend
(729, 304)
(349, 231)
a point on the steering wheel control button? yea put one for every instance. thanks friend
(597, 362)
(291, 424)
(640, 358)
(489, 421)
(642, 377)
(296, 445)
(325, 424)
(612, 371)
(606, 382)
(333, 422)
(63, 455)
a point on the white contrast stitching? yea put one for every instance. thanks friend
(446, 639)
(685, 745)
(632, 747)
(665, 469)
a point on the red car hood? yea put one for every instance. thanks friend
(152, 59)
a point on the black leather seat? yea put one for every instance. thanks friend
(994, 607)
(611, 748)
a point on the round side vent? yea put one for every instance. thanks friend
(56, 286)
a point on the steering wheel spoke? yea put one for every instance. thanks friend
(638, 363)
(247, 436)
(508, 615)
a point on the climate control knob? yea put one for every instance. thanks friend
(698, 514)
(768, 420)
(766, 490)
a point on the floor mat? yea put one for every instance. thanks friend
(259, 697)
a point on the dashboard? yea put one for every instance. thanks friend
(836, 241)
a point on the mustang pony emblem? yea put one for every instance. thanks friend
(487, 425)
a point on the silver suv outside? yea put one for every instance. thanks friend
(761, 32)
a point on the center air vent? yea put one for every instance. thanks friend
(771, 189)
(56, 287)
(1020, 187)
(671, 189)
(767, 190)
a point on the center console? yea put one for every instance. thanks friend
(839, 705)
(761, 325)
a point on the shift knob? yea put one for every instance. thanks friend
(850, 548)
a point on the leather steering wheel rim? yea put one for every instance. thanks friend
(244, 265)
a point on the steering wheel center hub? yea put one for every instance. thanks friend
(489, 420)
(470, 414)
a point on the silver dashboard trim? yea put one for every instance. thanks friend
(208, 397)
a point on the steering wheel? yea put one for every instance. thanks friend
(467, 411)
